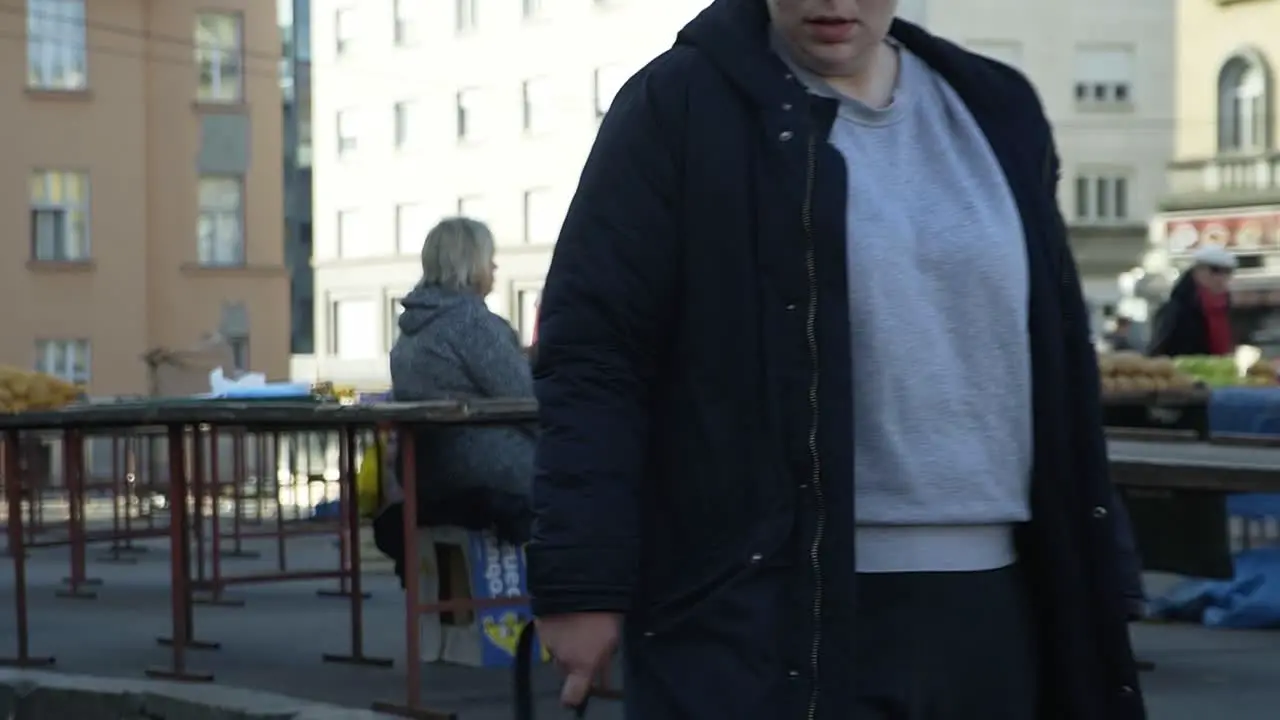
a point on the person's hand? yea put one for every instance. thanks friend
(582, 644)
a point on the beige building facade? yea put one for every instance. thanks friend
(141, 191)
(1224, 181)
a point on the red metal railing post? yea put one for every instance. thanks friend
(215, 485)
(121, 533)
(179, 567)
(350, 511)
(73, 479)
(240, 473)
(264, 464)
(412, 568)
(132, 499)
(17, 553)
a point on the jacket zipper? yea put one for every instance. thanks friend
(815, 473)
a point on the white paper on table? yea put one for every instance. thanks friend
(219, 383)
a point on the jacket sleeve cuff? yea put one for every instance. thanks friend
(573, 580)
(584, 601)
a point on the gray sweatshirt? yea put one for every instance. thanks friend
(452, 346)
(938, 295)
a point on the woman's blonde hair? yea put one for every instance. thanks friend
(457, 253)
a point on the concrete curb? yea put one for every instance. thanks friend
(27, 695)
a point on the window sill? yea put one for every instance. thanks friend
(1103, 106)
(61, 267)
(54, 94)
(214, 107)
(214, 271)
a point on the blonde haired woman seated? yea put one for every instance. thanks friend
(451, 346)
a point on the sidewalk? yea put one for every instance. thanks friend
(274, 643)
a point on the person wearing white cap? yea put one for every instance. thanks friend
(1197, 318)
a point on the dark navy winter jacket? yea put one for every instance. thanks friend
(694, 469)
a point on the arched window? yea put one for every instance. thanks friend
(1244, 105)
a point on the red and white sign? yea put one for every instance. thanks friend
(1253, 233)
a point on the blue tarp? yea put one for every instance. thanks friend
(1252, 598)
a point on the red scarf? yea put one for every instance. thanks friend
(1217, 323)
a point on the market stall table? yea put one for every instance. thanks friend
(193, 419)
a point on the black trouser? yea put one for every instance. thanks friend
(945, 646)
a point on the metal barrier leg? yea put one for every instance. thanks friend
(240, 478)
(350, 510)
(132, 501)
(73, 473)
(13, 496)
(282, 562)
(215, 596)
(119, 525)
(199, 492)
(412, 706)
(348, 539)
(180, 569)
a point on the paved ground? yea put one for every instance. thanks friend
(275, 642)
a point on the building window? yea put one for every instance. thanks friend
(348, 138)
(1102, 197)
(350, 244)
(527, 315)
(56, 45)
(220, 228)
(59, 216)
(344, 30)
(411, 228)
(304, 135)
(540, 224)
(66, 359)
(1104, 76)
(220, 56)
(472, 206)
(406, 21)
(607, 81)
(404, 116)
(468, 115)
(395, 308)
(1243, 102)
(353, 329)
(532, 9)
(1005, 51)
(536, 109)
(466, 15)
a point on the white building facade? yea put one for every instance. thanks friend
(489, 107)
(428, 109)
(1105, 71)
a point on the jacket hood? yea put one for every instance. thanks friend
(427, 303)
(734, 36)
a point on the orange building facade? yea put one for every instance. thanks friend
(141, 192)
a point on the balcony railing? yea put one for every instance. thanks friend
(1225, 174)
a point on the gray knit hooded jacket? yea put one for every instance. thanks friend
(452, 346)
